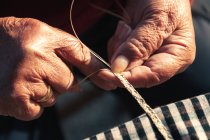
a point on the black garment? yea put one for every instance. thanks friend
(195, 80)
(44, 128)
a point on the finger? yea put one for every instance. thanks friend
(39, 92)
(49, 98)
(103, 81)
(22, 107)
(143, 76)
(107, 75)
(58, 75)
(77, 54)
(157, 69)
(120, 35)
(137, 76)
(30, 111)
(153, 74)
(145, 39)
(69, 49)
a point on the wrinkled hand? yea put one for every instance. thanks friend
(155, 44)
(32, 56)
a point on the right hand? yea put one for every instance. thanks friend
(32, 56)
(156, 44)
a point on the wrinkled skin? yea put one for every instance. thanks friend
(32, 56)
(156, 43)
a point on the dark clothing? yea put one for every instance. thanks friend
(119, 106)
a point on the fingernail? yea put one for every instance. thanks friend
(119, 64)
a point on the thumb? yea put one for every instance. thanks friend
(79, 55)
(76, 53)
(145, 38)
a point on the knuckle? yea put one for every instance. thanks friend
(85, 56)
(22, 107)
(22, 110)
(152, 78)
(12, 24)
(76, 53)
(138, 49)
(150, 36)
(27, 113)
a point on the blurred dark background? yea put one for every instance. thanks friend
(79, 115)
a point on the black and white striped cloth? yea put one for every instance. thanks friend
(186, 119)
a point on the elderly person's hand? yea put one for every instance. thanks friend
(32, 56)
(155, 44)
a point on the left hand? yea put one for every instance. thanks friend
(35, 61)
(155, 45)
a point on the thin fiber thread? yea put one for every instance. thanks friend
(149, 111)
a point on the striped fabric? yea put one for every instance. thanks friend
(186, 119)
